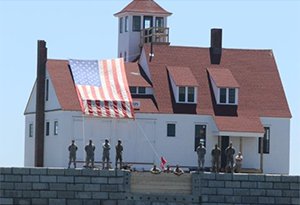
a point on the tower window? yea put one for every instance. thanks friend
(55, 127)
(126, 24)
(136, 23)
(159, 22)
(125, 56)
(121, 25)
(47, 128)
(30, 130)
(47, 90)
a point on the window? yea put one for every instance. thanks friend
(47, 128)
(266, 141)
(55, 127)
(121, 25)
(141, 90)
(222, 95)
(200, 135)
(125, 56)
(171, 130)
(120, 55)
(231, 95)
(47, 89)
(30, 134)
(136, 23)
(137, 90)
(133, 90)
(186, 94)
(126, 24)
(159, 22)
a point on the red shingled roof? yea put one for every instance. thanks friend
(144, 6)
(134, 75)
(182, 76)
(223, 78)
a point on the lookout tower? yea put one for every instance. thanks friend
(140, 22)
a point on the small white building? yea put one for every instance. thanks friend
(182, 95)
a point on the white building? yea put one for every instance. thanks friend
(183, 95)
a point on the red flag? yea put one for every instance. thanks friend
(162, 163)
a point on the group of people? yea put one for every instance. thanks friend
(90, 154)
(231, 166)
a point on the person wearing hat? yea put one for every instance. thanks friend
(119, 153)
(105, 156)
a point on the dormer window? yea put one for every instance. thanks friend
(137, 90)
(184, 84)
(224, 85)
(136, 23)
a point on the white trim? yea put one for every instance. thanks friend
(240, 134)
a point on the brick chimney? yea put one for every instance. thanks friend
(40, 104)
(216, 46)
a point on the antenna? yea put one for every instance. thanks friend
(151, 54)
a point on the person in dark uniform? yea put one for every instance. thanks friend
(216, 153)
(229, 152)
(119, 153)
(105, 156)
(72, 153)
(90, 153)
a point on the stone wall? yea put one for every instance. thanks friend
(47, 186)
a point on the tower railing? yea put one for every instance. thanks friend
(154, 35)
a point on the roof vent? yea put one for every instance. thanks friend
(215, 46)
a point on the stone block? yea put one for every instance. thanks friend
(273, 192)
(257, 192)
(5, 170)
(12, 193)
(22, 201)
(116, 196)
(295, 201)
(233, 199)
(264, 185)
(216, 184)
(120, 173)
(224, 191)
(1, 178)
(90, 172)
(58, 186)
(48, 194)
(39, 201)
(256, 177)
(38, 171)
(13, 178)
(99, 180)
(92, 202)
(40, 186)
(249, 199)
(92, 187)
(240, 177)
(109, 187)
(65, 179)
(6, 201)
(109, 202)
(291, 193)
(282, 200)
(23, 186)
(6, 185)
(295, 186)
(224, 176)
(232, 184)
(100, 195)
(57, 201)
(266, 200)
(107, 173)
(115, 180)
(20, 170)
(294, 179)
(208, 191)
(75, 187)
(31, 194)
(281, 185)
(48, 179)
(56, 171)
(74, 202)
(84, 180)
(73, 172)
(83, 195)
(66, 194)
(30, 178)
(216, 199)
(241, 192)
(248, 184)
(273, 178)
(207, 175)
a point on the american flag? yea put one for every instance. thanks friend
(102, 87)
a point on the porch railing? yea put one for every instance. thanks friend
(155, 35)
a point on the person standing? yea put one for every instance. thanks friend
(105, 156)
(72, 153)
(229, 152)
(201, 151)
(238, 162)
(90, 154)
(119, 153)
(216, 153)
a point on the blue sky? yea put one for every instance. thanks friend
(88, 30)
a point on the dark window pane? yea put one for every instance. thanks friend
(200, 135)
(231, 95)
(126, 23)
(121, 25)
(136, 24)
(47, 128)
(132, 90)
(191, 94)
(266, 141)
(30, 130)
(171, 130)
(47, 89)
(181, 94)
(55, 127)
(159, 22)
(142, 90)
(222, 95)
